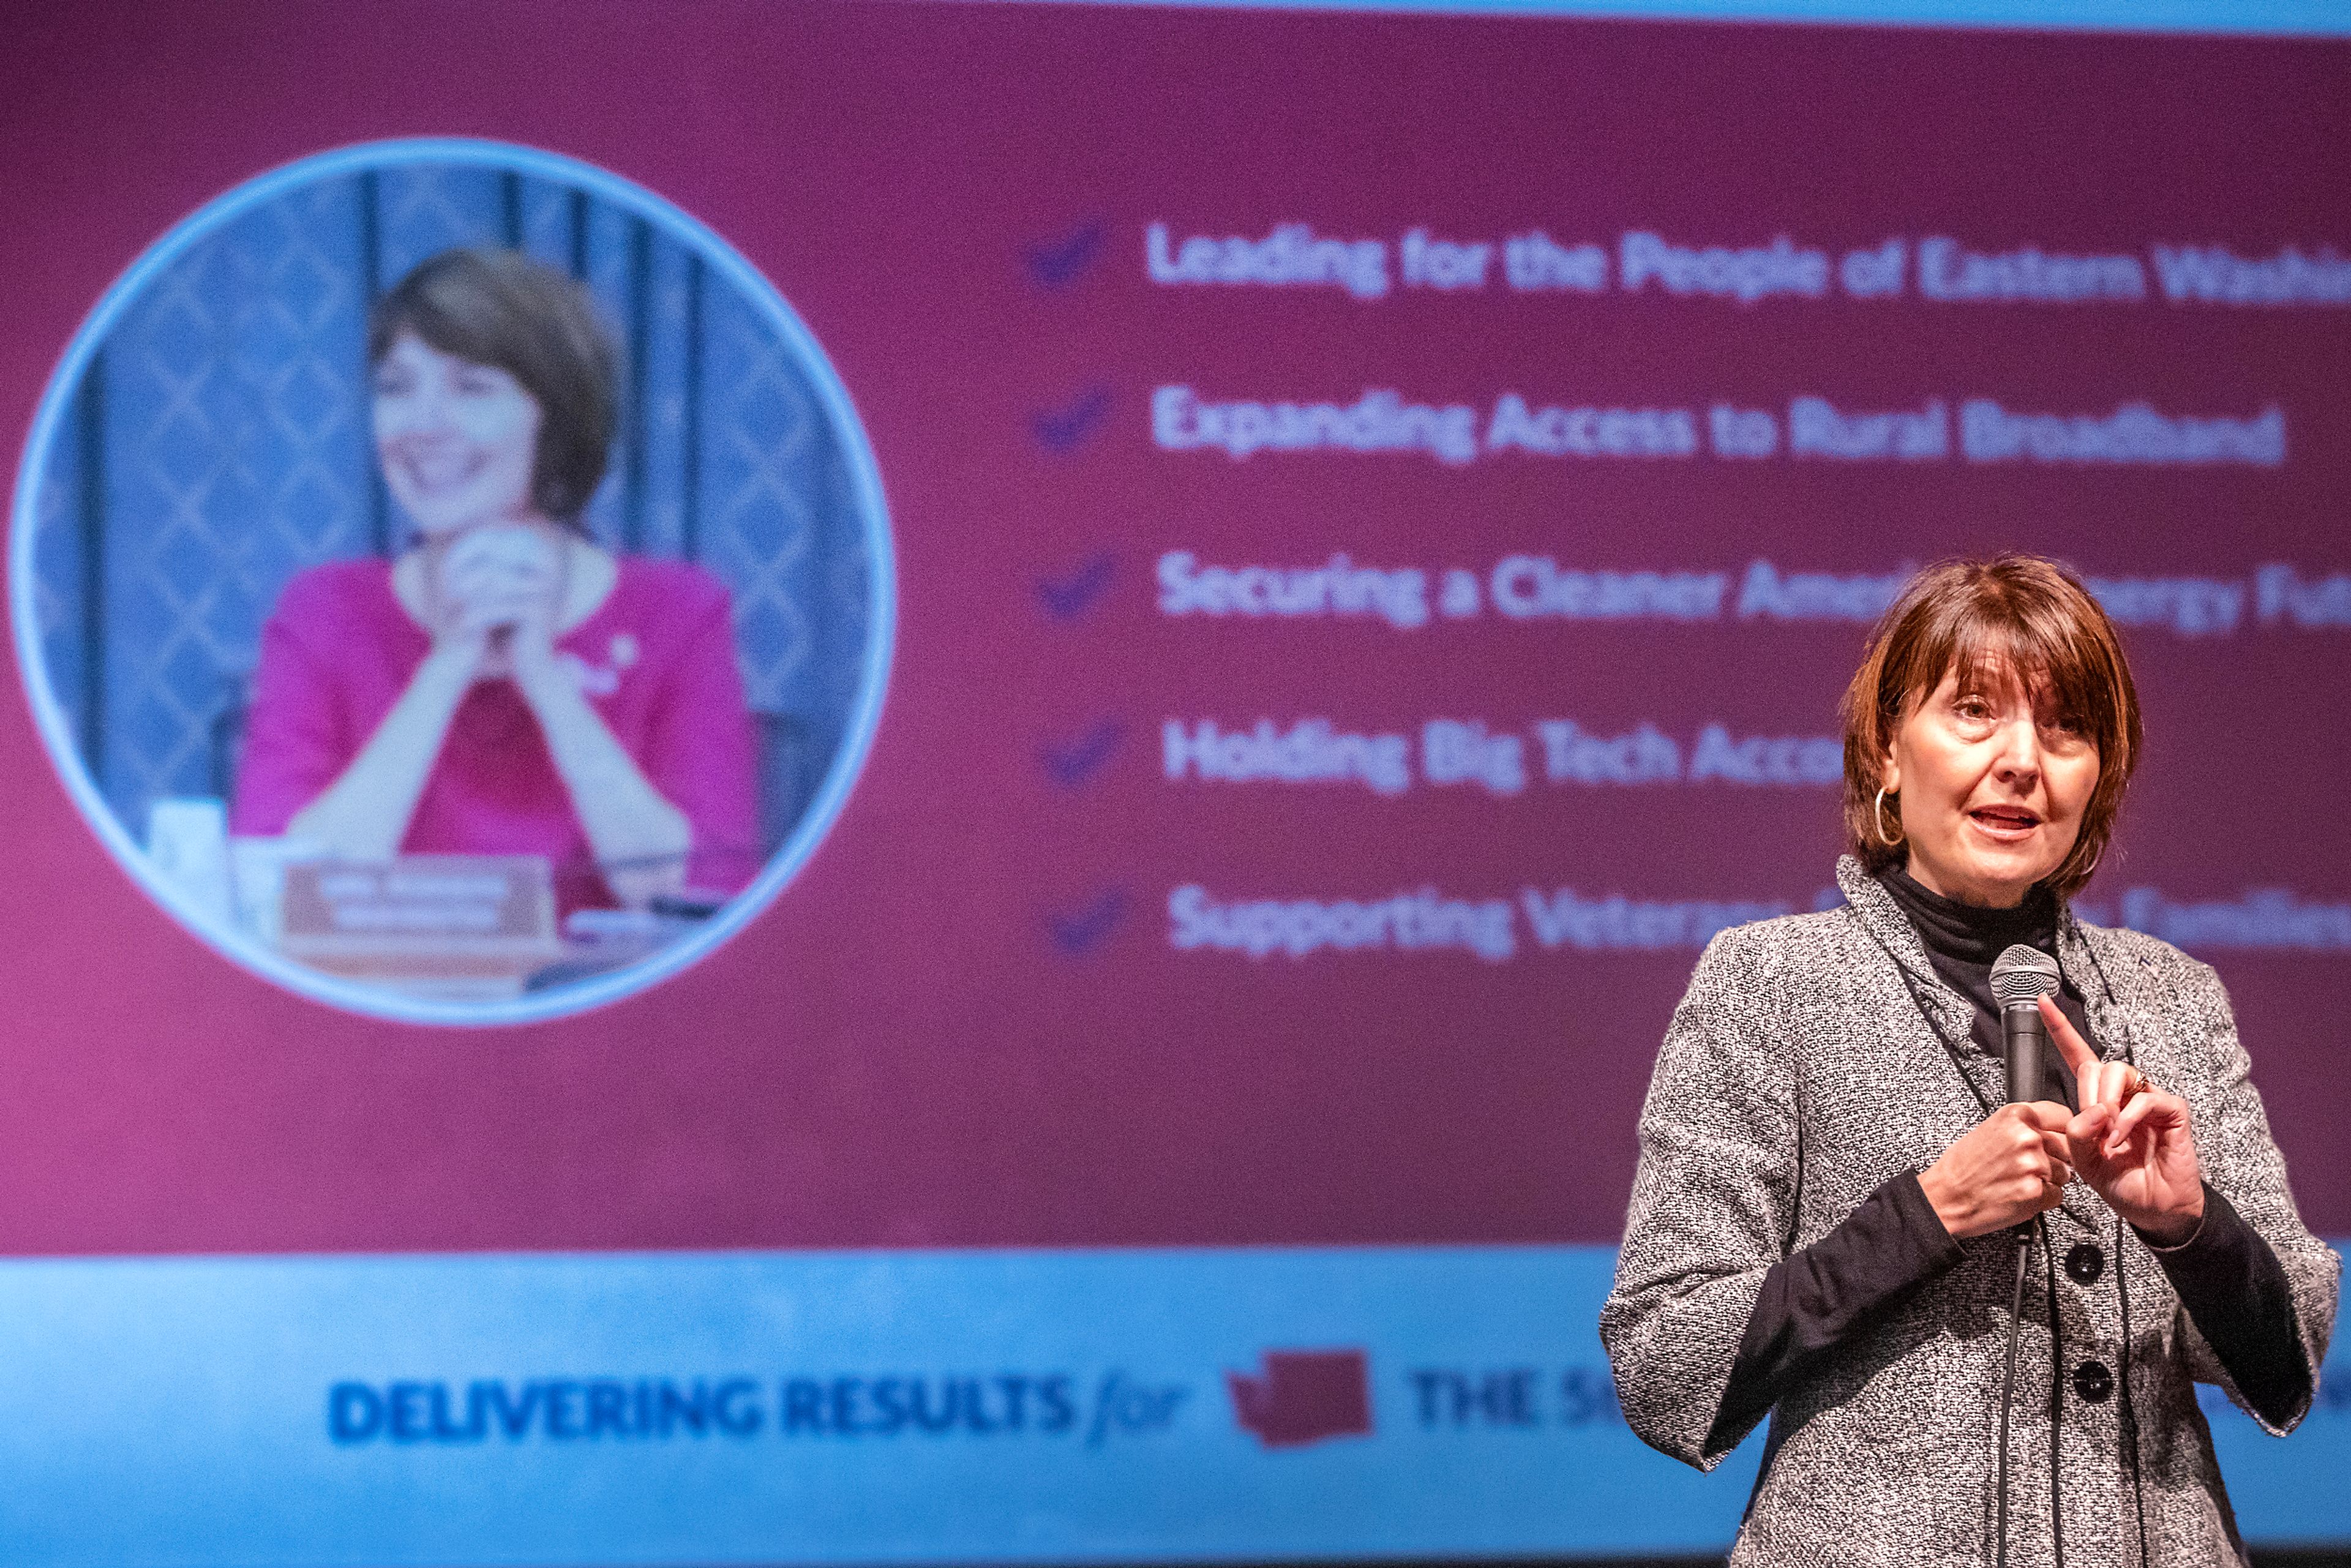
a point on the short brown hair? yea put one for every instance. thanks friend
(1982, 619)
(500, 308)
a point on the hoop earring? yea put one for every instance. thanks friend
(1877, 821)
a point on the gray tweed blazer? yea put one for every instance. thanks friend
(1799, 1073)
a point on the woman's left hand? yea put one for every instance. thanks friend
(2131, 1142)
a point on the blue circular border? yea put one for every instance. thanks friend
(864, 718)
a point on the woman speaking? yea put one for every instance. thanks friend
(1825, 1224)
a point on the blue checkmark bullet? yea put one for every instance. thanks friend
(1067, 596)
(1071, 762)
(1078, 931)
(1062, 431)
(1057, 264)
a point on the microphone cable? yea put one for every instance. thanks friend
(2008, 1383)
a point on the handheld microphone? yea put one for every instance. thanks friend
(2018, 977)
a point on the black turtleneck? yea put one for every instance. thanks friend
(2228, 1278)
(1964, 940)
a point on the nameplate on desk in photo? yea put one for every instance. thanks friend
(424, 922)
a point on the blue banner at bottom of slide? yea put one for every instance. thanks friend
(867, 1407)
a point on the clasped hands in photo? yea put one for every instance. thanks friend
(2130, 1141)
(498, 596)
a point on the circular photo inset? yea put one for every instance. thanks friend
(452, 581)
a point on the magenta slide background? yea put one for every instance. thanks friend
(964, 1024)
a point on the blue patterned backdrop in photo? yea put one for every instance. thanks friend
(219, 442)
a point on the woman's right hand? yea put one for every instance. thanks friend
(2012, 1165)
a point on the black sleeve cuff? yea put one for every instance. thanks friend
(1888, 1248)
(2235, 1290)
(1928, 1248)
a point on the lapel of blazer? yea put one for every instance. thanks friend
(2089, 977)
(1946, 1016)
